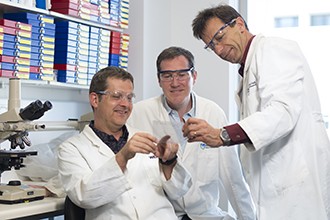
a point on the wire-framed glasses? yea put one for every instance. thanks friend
(211, 43)
(118, 95)
(181, 75)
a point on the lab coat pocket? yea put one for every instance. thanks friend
(152, 170)
(286, 169)
(207, 164)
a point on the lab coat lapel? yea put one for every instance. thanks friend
(98, 143)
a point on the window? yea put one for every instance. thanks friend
(286, 22)
(303, 21)
(318, 20)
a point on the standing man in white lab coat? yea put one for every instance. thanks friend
(113, 171)
(216, 173)
(285, 149)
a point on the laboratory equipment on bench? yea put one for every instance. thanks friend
(14, 127)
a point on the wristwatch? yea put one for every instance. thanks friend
(225, 137)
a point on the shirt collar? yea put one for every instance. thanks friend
(109, 139)
(190, 113)
(241, 69)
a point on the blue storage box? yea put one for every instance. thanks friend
(34, 76)
(20, 15)
(41, 4)
(35, 62)
(66, 73)
(72, 80)
(66, 24)
(67, 31)
(64, 48)
(65, 43)
(59, 35)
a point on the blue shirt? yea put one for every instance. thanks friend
(176, 121)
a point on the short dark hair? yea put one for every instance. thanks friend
(173, 52)
(225, 13)
(99, 80)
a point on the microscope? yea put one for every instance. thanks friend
(14, 127)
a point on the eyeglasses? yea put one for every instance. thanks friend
(118, 96)
(212, 44)
(181, 75)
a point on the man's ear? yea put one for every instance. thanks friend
(93, 99)
(240, 22)
(194, 75)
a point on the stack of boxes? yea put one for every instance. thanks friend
(94, 41)
(15, 47)
(114, 49)
(42, 43)
(104, 12)
(124, 12)
(66, 7)
(114, 11)
(119, 49)
(85, 9)
(104, 45)
(99, 44)
(123, 58)
(119, 10)
(72, 52)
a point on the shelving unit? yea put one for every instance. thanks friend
(43, 83)
(49, 88)
(14, 7)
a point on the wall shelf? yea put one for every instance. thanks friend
(41, 83)
(42, 88)
(15, 7)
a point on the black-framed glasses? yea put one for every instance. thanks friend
(211, 44)
(181, 75)
(118, 95)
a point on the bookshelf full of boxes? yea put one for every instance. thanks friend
(47, 46)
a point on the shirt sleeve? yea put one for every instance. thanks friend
(237, 134)
(179, 183)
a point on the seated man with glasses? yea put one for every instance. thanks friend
(114, 171)
(216, 174)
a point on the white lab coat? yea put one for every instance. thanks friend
(288, 165)
(212, 169)
(93, 180)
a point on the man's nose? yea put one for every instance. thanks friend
(218, 48)
(175, 79)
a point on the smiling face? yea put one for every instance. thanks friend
(177, 92)
(111, 113)
(230, 43)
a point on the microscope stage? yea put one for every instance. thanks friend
(12, 194)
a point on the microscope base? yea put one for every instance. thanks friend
(20, 194)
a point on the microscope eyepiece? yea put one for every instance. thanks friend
(35, 110)
(47, 105)
(28, 112)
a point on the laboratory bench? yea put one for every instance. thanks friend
(47, 208)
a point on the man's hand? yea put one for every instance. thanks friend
(166, 149)
(199, 130)
(140, 143)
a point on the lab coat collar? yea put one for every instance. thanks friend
(97, 142)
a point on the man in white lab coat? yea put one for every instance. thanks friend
(286, 151)
(112, 171)
(216, 173)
